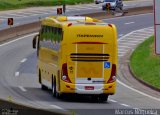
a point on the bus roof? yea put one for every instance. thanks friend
(61, 21)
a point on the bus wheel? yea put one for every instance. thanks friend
(54, 89)
(43, 87)
(103, 98)
(94, 98)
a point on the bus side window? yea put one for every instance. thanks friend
(60, 34)
(52, 31)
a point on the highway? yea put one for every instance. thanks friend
(19, 80)
(34, 14)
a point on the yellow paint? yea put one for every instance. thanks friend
(79, 38)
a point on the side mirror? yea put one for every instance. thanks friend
(34, 42)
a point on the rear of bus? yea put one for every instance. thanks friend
(89, 54)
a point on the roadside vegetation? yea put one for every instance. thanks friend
(16, 4)
(145, 64)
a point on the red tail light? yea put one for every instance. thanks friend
(65, 73)
(113, 74)
(70, 24)
(110, 25)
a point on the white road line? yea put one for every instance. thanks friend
(120, 35)
(16, 74)
(112, 100)
(56, 107)
(137, 39)
(134, 41)
(120, 55)
(125, 105)
(126, 46)
(22, 61)
(127, 43)
(127, 16)
(25, 13)
(17, 15)
(129, 23)
(157, 99)
(137, 91)
(140, 36)
(22, 88)
(17, 39)
(122, 50)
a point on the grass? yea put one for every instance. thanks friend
(16, 4)
(145, 64)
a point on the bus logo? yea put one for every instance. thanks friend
(107, 65)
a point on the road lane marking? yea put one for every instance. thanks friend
(22, 61)
(120, 35)
(123, 50)
(125, 105)
(120, 55)
(135, 90)
(123, 46)
(123, 84)
(129, 23)
(134, 41)
(56, 107)
(22, 88)
(123, 43)
(127, 16)
(17, 39)
(16, 74)
(112, 100)
(15, 15)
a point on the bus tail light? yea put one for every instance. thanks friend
(113, 74)
(70, 24)
(65, 73)
(110, 25)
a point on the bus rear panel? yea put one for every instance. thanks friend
(91, 60)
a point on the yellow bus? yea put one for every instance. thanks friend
(77, 55)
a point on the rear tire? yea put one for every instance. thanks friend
(54, 89)
(94, 98)
(103, 98)
(43, 87)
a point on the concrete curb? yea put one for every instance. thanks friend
(137, 78)
(126, 71)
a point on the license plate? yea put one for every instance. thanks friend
(89, 87)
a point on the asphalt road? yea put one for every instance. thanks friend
(18, 78)
(31, 15)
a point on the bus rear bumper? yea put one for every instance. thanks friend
(89, 88)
